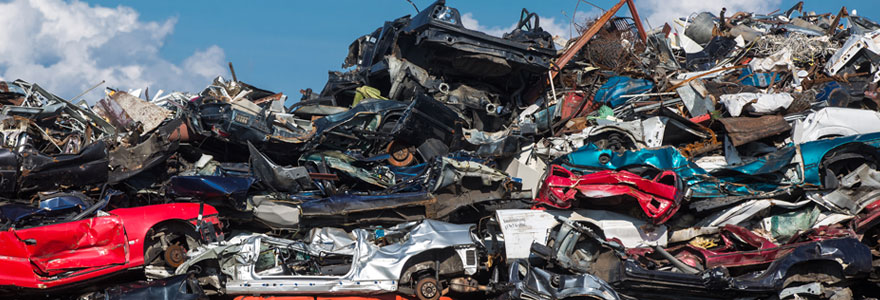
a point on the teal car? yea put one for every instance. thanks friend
(813, 165)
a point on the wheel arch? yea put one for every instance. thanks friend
(825, 269)
(425, 263)
(847, 148)
(177, 224)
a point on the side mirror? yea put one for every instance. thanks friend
(543, 251)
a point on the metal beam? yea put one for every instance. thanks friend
(582, 40)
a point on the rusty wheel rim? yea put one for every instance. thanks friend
(428, 290)
(399, 154)
(175, 255)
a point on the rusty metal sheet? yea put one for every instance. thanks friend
(148, 114)
(743, 130)
(111, 110)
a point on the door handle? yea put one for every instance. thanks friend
(30, 242)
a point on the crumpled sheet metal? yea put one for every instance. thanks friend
(453, 171)
(590, 158)
(374, 269)
(869, 41)
(366, 109)
(702, 184)
(498, 144)
(743, 130)
(40, 172)
(340, 206)
(400, 69)
(276, 214)
(813, 152)
(212, 188)
(521, 227)
(746, 211)
(536, 283)
(728, 255)
(331, 239)
(126, 162)
(833, 122)
(852, 256)
(9, 168)
(711, 107)
(659, 198)
(147, 114)
(275, 177)
(478, 53)
(611, 91)
(380, 176)
(80, 244)
(857, 190)
(755, 103)
(180, 287)
(643, 133)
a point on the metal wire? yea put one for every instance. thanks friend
(803, 48)
(574, 14)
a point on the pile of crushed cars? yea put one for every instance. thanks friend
(718, 156)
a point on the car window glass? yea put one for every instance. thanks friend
(266, 258)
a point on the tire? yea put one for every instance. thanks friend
(428, 288)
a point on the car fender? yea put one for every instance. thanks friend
(139, 220)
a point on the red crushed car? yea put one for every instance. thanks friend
(659, 197)
(366, 297)
(740, 247)
(68, 241)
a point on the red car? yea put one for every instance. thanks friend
(739, 247)
(659, 197)
(58, 245)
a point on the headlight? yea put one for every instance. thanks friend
(445, 14)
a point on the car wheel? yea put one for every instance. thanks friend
(428, 288)
(400, 154)
(165, 249)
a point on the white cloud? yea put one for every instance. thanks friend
(67, 47)
(555, 28)
(658, 12)
(548, 24)
(470, 22)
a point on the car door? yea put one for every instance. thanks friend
(14, 266)
(69, 246)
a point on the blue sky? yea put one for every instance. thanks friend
(282, 45)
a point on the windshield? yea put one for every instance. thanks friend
(56, 208)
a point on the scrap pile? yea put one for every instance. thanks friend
(718, 156)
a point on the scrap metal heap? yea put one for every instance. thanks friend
(722, 155)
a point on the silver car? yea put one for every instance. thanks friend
(417, 258)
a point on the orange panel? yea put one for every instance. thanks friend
(275, 298)
(369, 297)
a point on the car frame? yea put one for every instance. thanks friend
(94, 244)
(764, 271)
(429, 253)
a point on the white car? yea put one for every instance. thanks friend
(415, 258)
